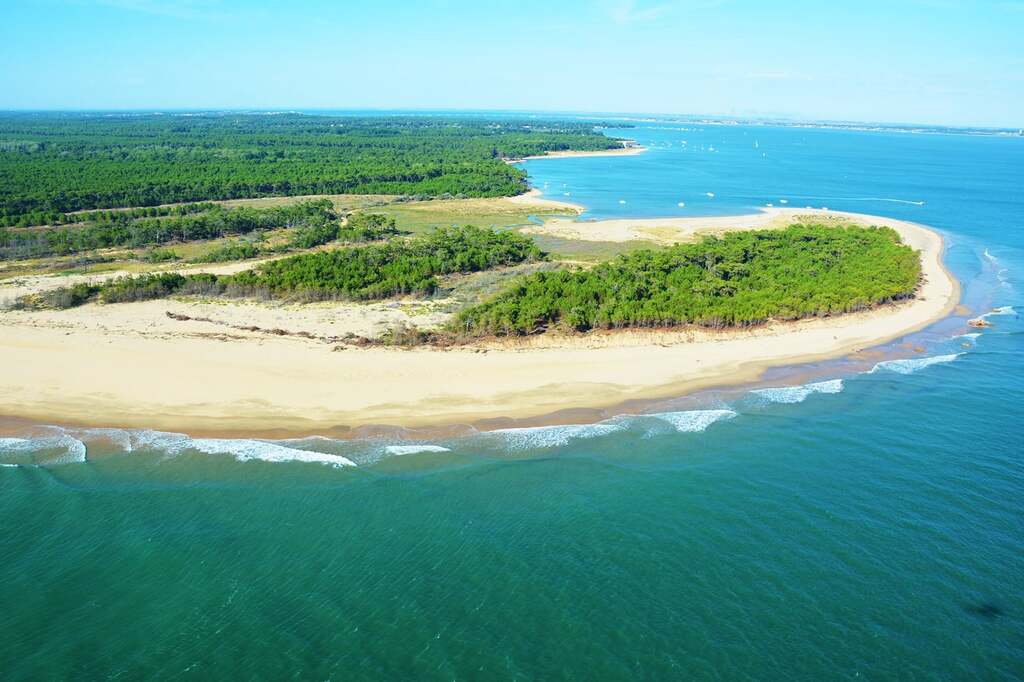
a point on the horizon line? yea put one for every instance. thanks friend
(751, 118)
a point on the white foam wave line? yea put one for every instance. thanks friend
(413, 449)
(996, 312)
(74, 450)
(798, 394)
(553, 436)
(245, 450)
(693, 421)
(911, 365)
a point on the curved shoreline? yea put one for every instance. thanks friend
(631, 150)
(201, 384)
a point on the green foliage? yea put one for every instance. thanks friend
(141, 287)
(68, 297)
(123, 229)
(741, 279)
(389, 269)
(360, 227)
(366, 272)
(367, 227)
(161, 256)
(230, 251)
(52, 163)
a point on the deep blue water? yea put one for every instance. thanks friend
(868, 524)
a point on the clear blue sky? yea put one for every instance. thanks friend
(920, 61)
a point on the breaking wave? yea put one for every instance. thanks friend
(693, 421)
(245, 450)
(414, 449)
(797, 394)
(553, 436)
(911, 365)
(43, 451)
(70, 446)
(996, 312)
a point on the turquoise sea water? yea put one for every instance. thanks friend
(866, 523)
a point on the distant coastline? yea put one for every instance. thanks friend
(629, 148)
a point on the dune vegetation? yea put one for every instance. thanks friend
(738, 280)
(374, 271)
(741, 279)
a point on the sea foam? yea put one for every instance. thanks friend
(413, 449)
(693, 421)
(997, 312)
(911, 365)
(553, 436)
(798, 394)
(244, 450)
(45, 450)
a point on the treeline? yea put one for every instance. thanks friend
(741, 279)
(53, 164)
(390, 269)
(358, 273)
(119, 230)
(129, 214)
(358, 228)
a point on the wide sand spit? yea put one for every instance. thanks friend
(133, 366)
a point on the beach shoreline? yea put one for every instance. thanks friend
(626, 150)
(133, 366)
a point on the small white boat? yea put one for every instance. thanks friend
(681, 204)
(783, 201)
(622, 201)
(710, 195)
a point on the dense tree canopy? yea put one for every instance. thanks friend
(743, 278)
(200, 221)
(393, 268)
(51, 164)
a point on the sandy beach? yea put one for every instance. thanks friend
(631, 150)
(133, 365)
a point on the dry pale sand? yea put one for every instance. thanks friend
(535, 198)
(131, 365)
(676, 230)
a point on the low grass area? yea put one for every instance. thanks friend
(423, 216)
(578, 251)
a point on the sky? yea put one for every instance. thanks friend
(902, 61)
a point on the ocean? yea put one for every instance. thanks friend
(854, 519)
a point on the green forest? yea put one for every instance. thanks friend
(55, 163)
(740, 279)
(392, 268)
(128, 229)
